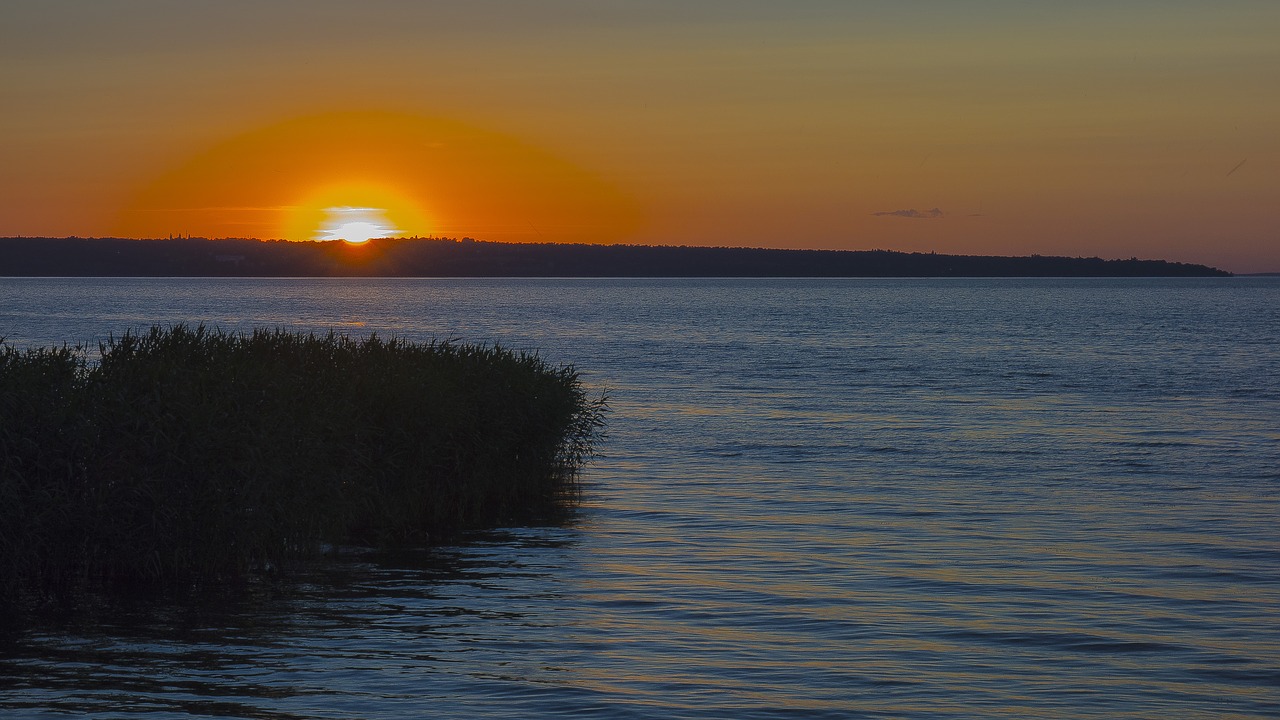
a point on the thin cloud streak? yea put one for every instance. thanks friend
(912, 213)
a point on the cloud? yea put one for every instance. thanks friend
(912, 213)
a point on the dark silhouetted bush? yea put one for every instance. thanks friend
(186, 456)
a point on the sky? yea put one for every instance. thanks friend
(1117, 129)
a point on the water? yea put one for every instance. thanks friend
(819, 498)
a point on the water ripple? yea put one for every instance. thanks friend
(819, 499)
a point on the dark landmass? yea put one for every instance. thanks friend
(419, 257)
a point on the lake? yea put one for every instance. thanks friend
(997, 498)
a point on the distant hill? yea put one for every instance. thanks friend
(417, 257)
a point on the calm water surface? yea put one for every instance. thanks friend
(819, 498)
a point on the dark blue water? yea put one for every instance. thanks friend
(819, 498)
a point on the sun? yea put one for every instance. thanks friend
(356, 225)
(355, 211)
(306, 178)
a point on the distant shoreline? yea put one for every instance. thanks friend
(431, 257)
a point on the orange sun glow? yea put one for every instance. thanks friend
(355, 225)
(361, 175)
(356, 212)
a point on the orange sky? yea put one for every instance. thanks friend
(1143, 128)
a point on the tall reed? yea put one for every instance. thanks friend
(188, 455)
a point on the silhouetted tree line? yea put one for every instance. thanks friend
(418, 257)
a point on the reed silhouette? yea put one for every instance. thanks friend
(188, 456)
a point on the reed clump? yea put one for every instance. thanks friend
(187, 456)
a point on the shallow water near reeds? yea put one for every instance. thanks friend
(818, 498)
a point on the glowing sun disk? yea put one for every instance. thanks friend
(355, 224)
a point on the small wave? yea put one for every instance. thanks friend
(1067, 642)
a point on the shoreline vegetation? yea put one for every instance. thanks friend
(187, 457)
(445, 257)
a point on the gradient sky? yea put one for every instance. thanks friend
(1118, 129)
